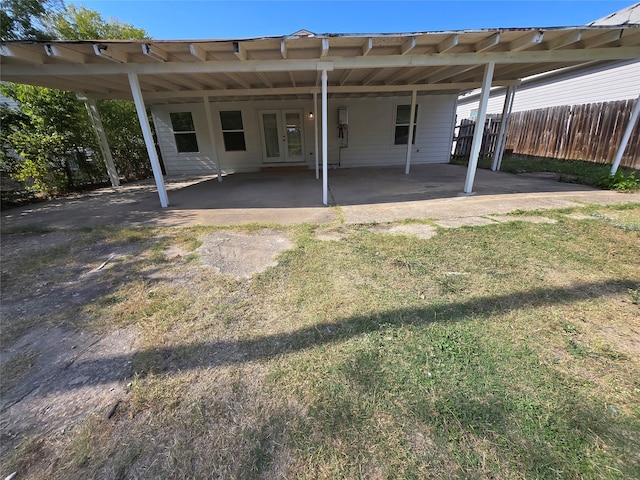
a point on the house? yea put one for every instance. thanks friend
(307, 100)
(581, 84)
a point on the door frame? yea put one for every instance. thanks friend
(282, 143)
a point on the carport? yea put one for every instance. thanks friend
(313, 68)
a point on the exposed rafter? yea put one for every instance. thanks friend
(368, 45)
(64, 53)
(110, 52)
(487, 43)
(154, 52)
(198, 52)
(22, 54)
(239, 51)
(324, 51)
(408, 45)
(526, 41)
(568, 39)
(448, 43)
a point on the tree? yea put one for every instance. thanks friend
(49, 145)
(80, 23)
(23, 19)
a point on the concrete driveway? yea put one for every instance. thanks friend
(363, 195)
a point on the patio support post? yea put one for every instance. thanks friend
(325, 183)
(315, 132)
(479, 130)
(414, 97)
(504, 125)
(148, 139)
(98, 128)
(207, 111)
(625, 138)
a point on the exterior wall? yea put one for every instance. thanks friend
(602, 84)
(370, 133)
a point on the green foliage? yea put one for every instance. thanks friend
(48, 146)
(52, 139)
(23, 19)
(621, 181)
(81, 23)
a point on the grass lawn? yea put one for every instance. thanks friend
(505, 351)
(570, 171)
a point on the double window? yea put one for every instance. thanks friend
(232, 131)
(184, 132)
(403, 117)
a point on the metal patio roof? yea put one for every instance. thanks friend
(281, 67)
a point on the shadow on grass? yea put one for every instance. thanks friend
(225, 352)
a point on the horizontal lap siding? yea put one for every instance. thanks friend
(371, 132)
(602, 84)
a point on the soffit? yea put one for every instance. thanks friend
(288, 67)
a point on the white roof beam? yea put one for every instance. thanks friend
(448, 43)
(408, 45)
(240, 51)
(21, 54)
(565, 40)
(283, 49)
(198, 52)
(345, 77)
(238, 80)
(526, 41)
(324, 51)
(336, 63)
(209, 80)
(110, 53)
(154, 52)
(487, 43)
(292, 79)
(264, 79)
(368, 45)
(63, 53)
(400, 73)
(258, 92)
(603, 38)
(369, 78)
(449, 72)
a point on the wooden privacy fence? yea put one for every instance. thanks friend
(580, 132)
(489, 138)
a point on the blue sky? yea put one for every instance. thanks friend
(189, 19)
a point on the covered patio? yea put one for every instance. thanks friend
(363, 195)
(318, 70)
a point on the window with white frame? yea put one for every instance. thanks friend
(232, 131)
(403, 116)
(184, 132)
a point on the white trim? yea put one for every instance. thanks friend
(479, 131)
(148, 139)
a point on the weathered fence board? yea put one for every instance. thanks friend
(580, 132)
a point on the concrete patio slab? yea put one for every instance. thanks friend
(361, 195)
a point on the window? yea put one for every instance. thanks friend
(473, 114)
(232, 131)
(184, 132)
(403, 115)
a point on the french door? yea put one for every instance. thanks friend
(282, 136)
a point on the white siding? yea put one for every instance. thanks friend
(370, 136)
(602, 84)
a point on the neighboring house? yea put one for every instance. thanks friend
(591, 83)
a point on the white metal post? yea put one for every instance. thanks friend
(625, 138)
(325, 182)
(148, 139)
(207, 110)
(504, 125)
(414, 97)
(479, 131)
(315, 132)
(98, 128)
